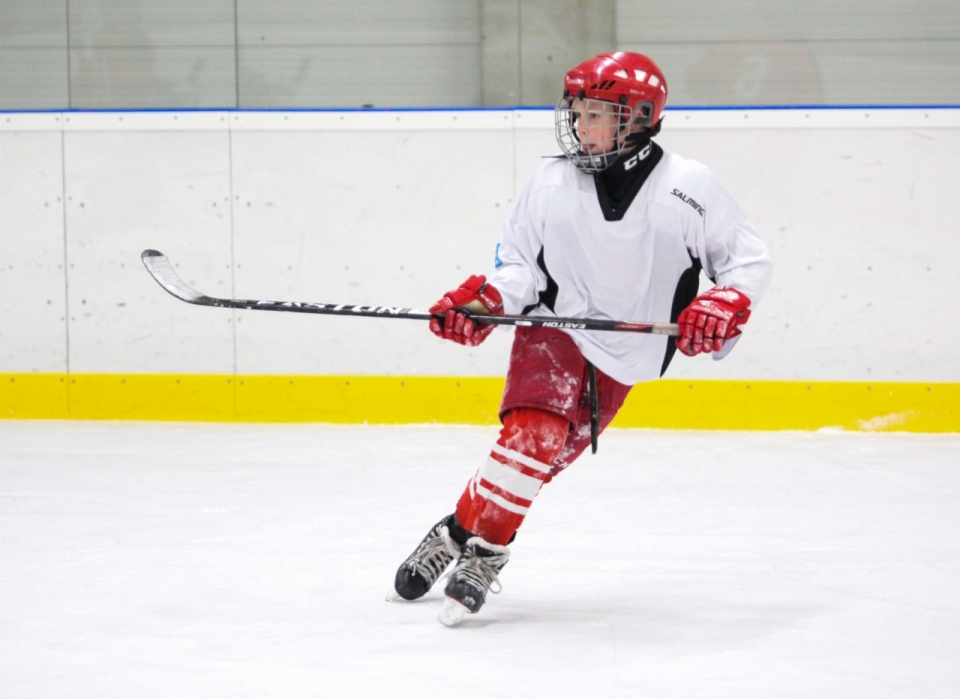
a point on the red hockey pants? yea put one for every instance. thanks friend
(546, 426)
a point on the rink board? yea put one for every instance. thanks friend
(373, 208)
(669, 404)
(370, 207)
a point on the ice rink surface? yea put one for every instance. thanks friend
(188, 560)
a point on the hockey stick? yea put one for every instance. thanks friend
(162, 271)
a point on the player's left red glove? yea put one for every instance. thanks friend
(474, 296)
(711, 319)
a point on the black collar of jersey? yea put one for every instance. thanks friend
(618, 185)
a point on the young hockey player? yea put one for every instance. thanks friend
(616, 229)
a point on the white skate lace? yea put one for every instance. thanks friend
(429, 561)
(482, 571)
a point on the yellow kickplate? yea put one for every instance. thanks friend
(793, 405)
(40, 396)
(187, 397)
(371, 399)
(669, 404)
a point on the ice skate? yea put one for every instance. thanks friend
(476, 571)
(424, 566)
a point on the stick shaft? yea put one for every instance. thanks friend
(162, 271)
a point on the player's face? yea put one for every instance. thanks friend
(598, 124)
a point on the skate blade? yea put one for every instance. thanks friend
(393, 596)
(452, 612)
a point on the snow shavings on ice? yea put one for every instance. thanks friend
(884, 422)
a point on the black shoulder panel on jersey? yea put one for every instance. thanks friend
(687, 289)
(619, 185)
(548, 297)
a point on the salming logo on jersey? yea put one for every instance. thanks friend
(689, 200)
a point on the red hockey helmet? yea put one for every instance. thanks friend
(626, 86)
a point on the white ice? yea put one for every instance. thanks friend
(167, 560)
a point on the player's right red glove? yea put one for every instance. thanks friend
(713, 318)
(474, 296)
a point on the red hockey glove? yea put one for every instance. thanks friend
(474, 296)
(711, 319)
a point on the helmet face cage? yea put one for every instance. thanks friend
(607, 130)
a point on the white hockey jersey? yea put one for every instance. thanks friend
(628, 269)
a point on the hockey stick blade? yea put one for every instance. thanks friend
(162, 271)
